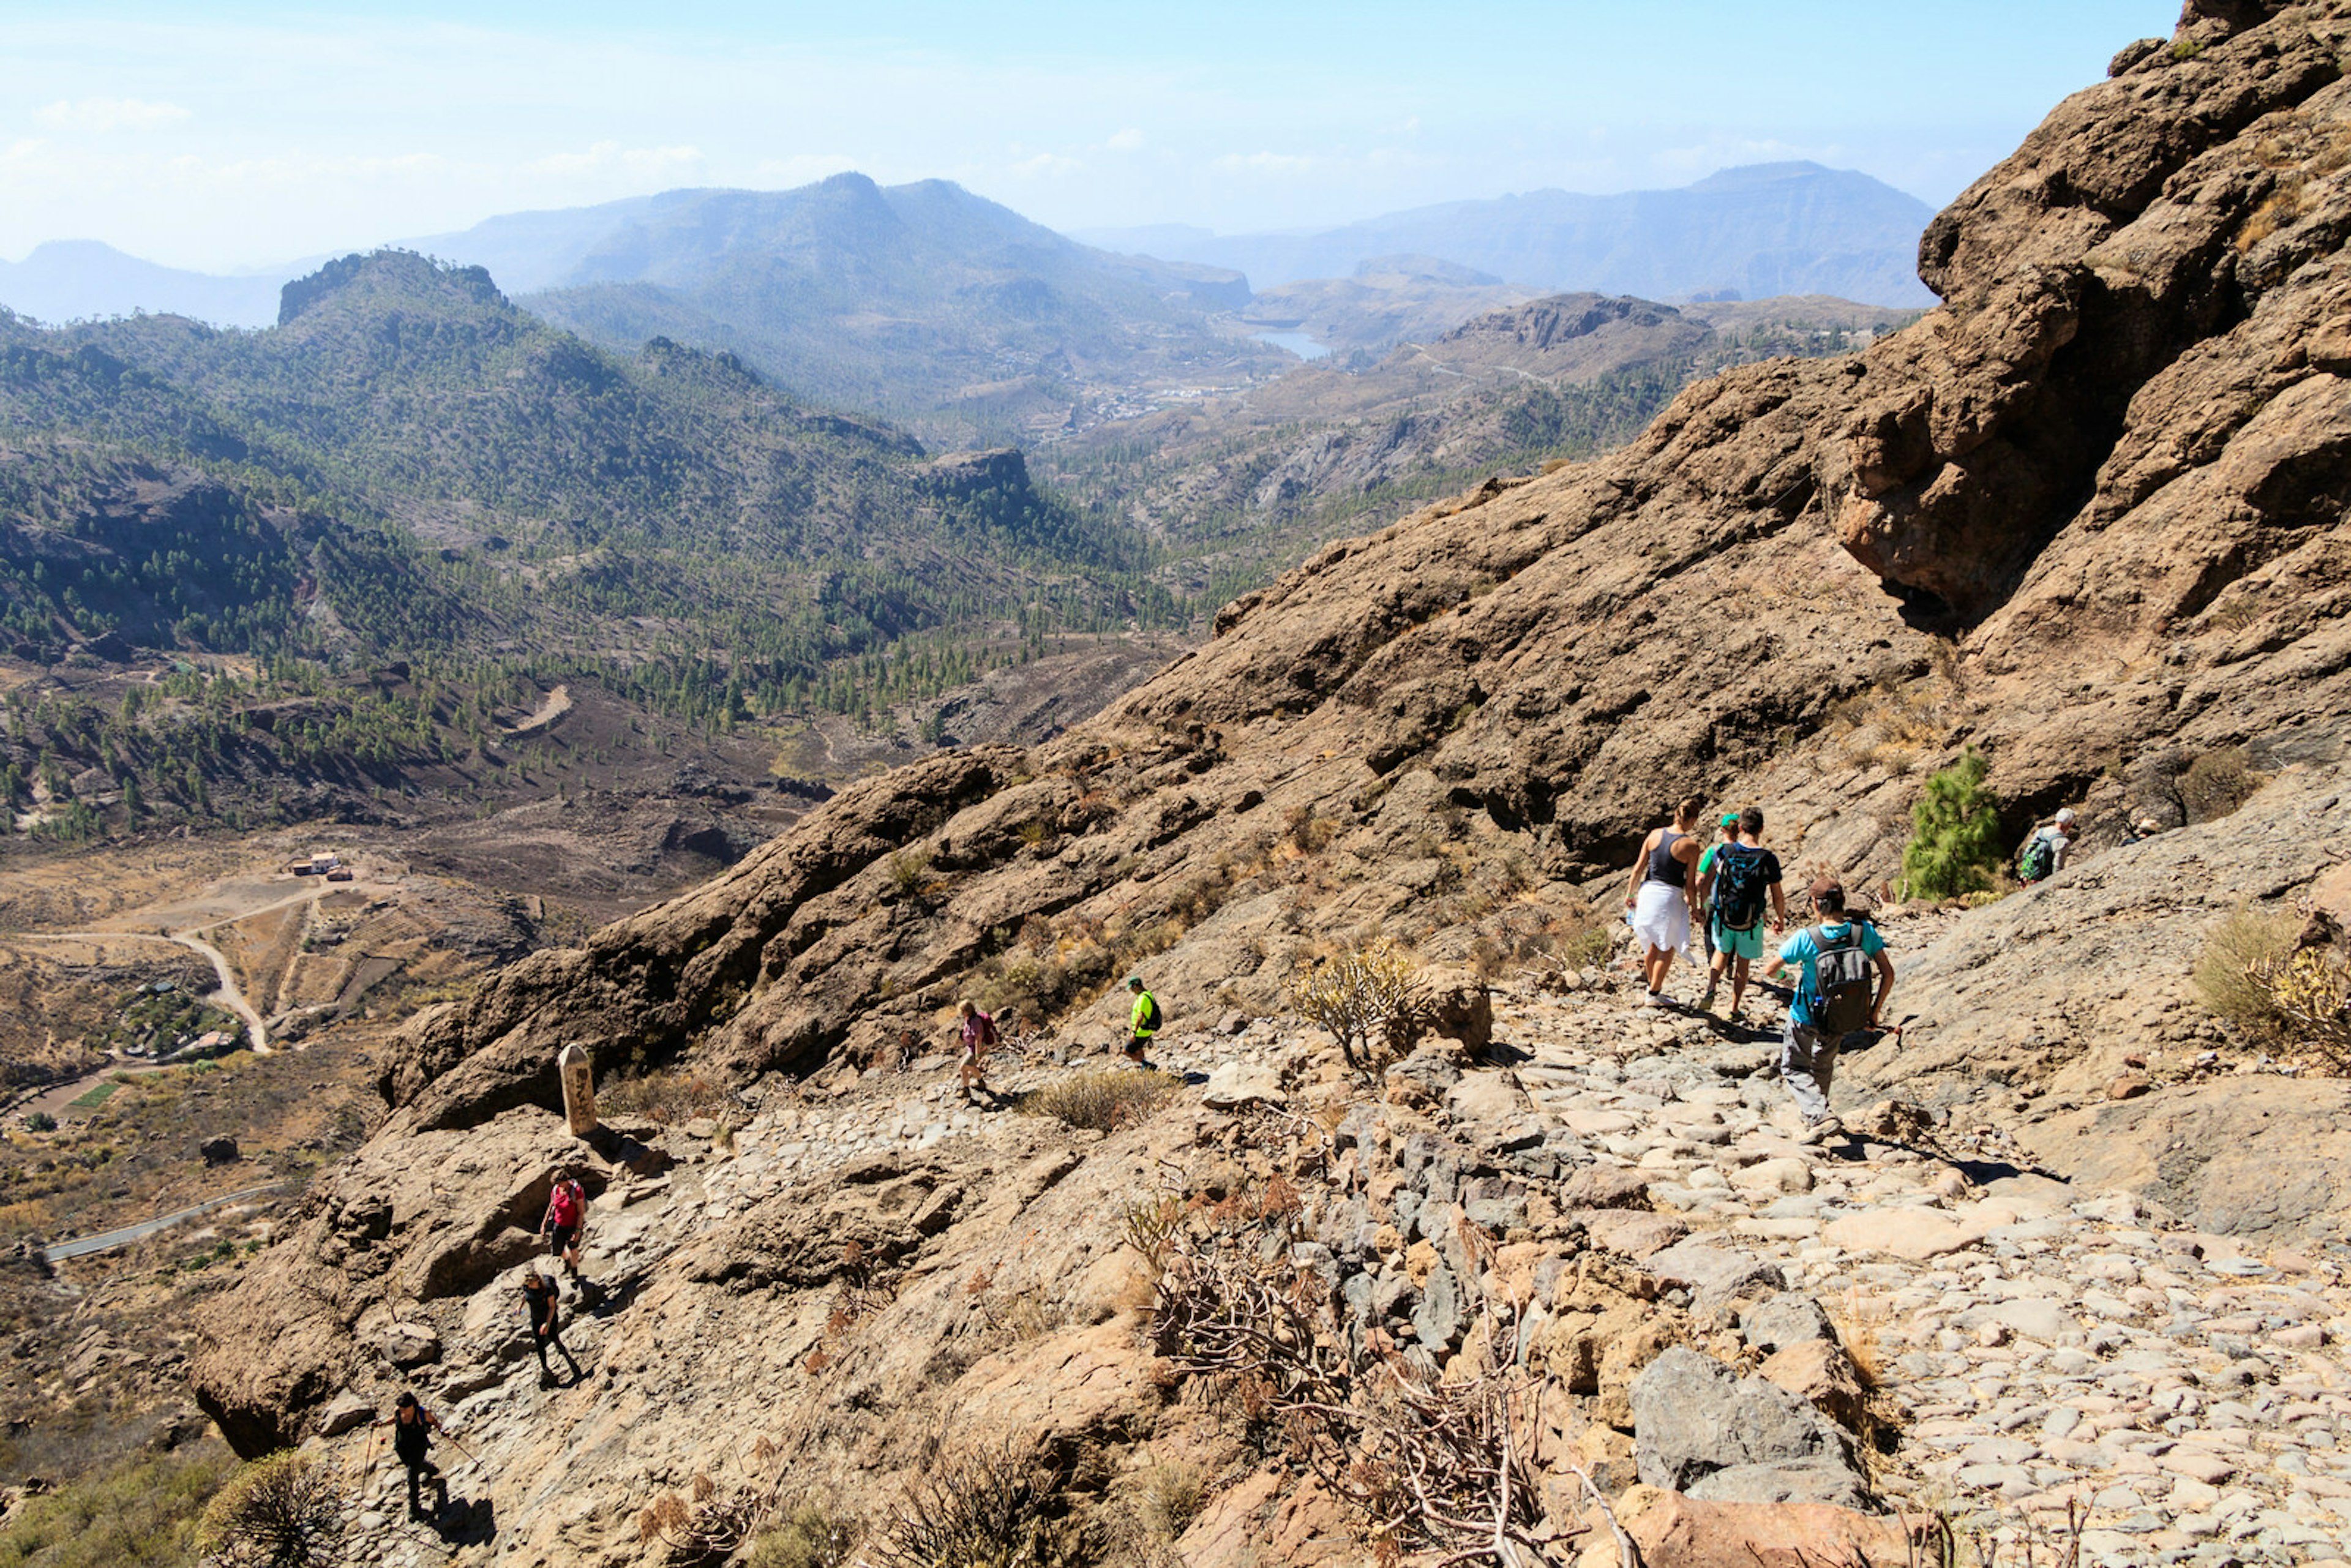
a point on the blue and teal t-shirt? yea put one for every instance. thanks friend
(1805, 946)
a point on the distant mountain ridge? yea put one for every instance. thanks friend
(923, 301)
(81, 279)
(1764, 229)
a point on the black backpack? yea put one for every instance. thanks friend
(1739, 887)
(1840, 1002)
(1150, 1013)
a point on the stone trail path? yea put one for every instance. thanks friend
(2039, 1347)
(2048, 1346)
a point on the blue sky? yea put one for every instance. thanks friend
(222, 135)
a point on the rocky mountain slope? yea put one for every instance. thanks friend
(2085, 516)
(1256, 481)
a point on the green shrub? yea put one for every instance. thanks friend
(1104, 1099)
(142, 1512)
(1367, 999)
(2228, 971)
(1956, 846)
(810, 1537)
(41, 1122)
(283, 1511)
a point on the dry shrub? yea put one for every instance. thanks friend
(2310, 990)
(1428, 1460)
(665, 1096)
(988, 1507)
(2227, 970)
(282, 1511)
(810, 1536)
(1104, 1099)
(2218, 782)
(1366, 999)
(1166, 1499)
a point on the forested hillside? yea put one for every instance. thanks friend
(410, 472)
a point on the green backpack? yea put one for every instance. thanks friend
(2039, 858)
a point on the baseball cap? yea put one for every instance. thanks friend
(1729, 820)
(1134, 980)
(1824, 884)
(2066, 818)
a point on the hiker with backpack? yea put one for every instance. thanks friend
(1835, 1000)
(566, 1211)
(1143, 1022)
(978, 1034)
(2043, 854)
(1663, 895)
(1730, 827)
(540, 1300)
(412, 1426)
(1745, 877)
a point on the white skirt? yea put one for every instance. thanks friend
(1661, 916)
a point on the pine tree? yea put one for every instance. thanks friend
(1956, 843)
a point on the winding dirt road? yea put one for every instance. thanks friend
(229, 995)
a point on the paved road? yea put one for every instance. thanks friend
(108, 1241)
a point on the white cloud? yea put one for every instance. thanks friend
(1046, 163)
(109, 114)
(1268, 163)
(610, 157)
(799, 169)
(1127, 140)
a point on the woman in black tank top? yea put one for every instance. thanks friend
(1662, 895)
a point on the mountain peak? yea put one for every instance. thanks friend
(397, 272)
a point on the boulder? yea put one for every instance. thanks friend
(221, 1151)
(1789, 1318)
(1819, 1371)
(1606, 1187)
(1715, 1273)
(1238, 1083)
(1673, 1531)
(407, 1344)
(344, 1413)
(1693, 1418)
(1457, 1005)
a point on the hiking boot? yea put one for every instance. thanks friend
(1822, 1130)
(1652, 1000)
(1713, 984)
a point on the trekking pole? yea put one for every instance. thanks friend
(367, 1455)
(459, 1446)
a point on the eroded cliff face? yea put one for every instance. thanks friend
(2088, 515)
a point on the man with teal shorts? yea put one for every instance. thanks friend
(1746, 876)
(1706, 879)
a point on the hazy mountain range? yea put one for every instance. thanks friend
(1780, 228)
(1767, 229)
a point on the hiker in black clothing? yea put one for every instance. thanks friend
(1745, 877)
(412, 1428)
(539, 1298)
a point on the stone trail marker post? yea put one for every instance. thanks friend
(578, 1088)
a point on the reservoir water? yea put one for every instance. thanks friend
(1298, 343)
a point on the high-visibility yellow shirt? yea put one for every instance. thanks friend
(1143, 1006)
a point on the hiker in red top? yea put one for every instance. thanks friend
(567, 1210)
(979, 1034)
